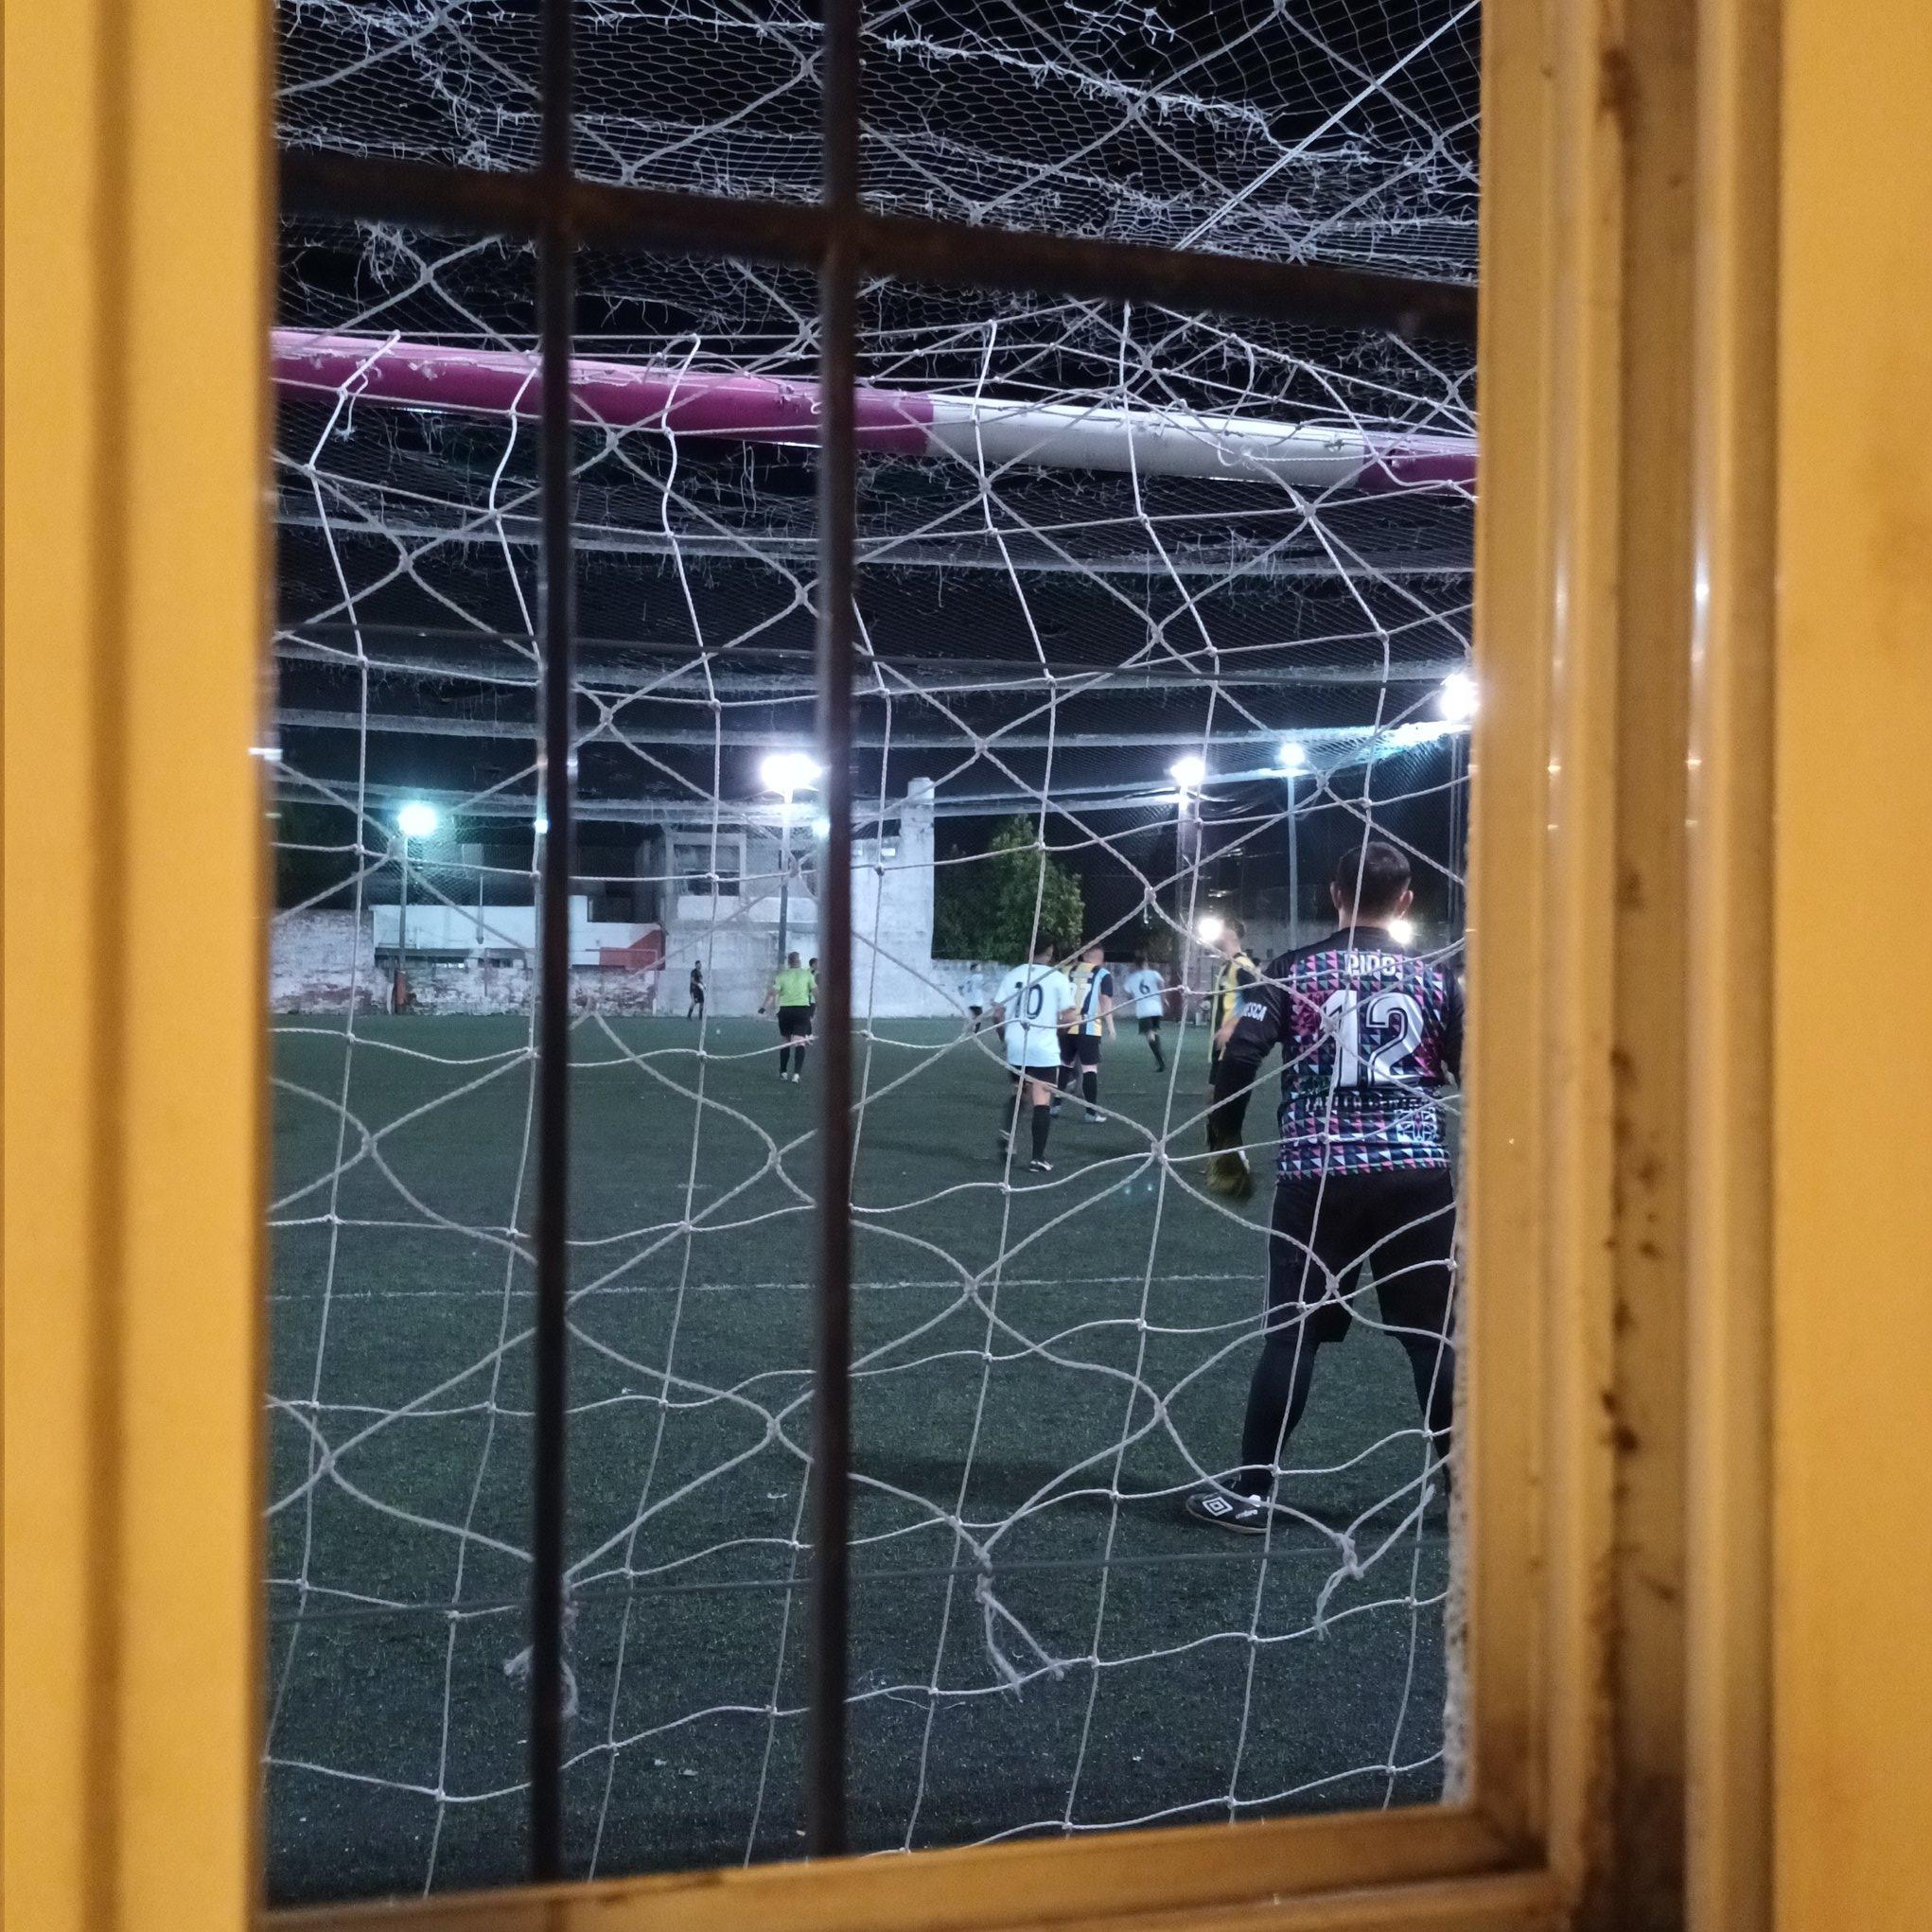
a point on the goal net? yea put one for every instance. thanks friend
(1160, 615)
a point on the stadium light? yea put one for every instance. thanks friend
(1456, 701)
(540, 824)
(1402, 929)
(786, 772)
(1293, 756)
(1189, 773)
(416, 819)
(821, 827)
(1210, 928)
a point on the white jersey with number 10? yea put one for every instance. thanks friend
(1033, 998)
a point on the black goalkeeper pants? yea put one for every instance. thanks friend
(1323, 1230)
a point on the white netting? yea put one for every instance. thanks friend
(1046, 1364)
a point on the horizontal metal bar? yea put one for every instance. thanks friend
(588, 1594)
(652, 737)
(603, 214)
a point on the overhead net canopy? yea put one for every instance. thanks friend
(1094, 540)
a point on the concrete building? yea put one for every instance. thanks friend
(711, 889)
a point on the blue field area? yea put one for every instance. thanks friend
(1043, 1368)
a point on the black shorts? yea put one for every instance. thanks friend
(1151, 1025)
(794, 1023)
(1081, 1049)
(1047, 1076)
(1324, 1228)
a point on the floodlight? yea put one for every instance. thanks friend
(1293, 756)
(821, 827)
(1402, 930)
(1189, 773)
(1210, 928)
(540, 824)
(417, 819)
(786, 772)
(1456, 701)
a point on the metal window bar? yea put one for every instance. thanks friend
(550, 1470)
(843, 241)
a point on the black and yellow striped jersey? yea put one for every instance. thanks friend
(1233, 975)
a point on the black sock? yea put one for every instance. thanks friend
(1153, 1041)
(1089, 1087)
(1277, 1397)
(785, 1060)
(1042, 1126)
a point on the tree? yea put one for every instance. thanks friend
(984, 908)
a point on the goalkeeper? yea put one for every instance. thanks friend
(1369, 1034)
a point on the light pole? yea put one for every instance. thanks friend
(1456, 702)
(415, 821)
(1189, 774)
(1292, 759)
(785, 773)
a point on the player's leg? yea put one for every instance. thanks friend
(1010, 1108)
(1150, 1032)
(1069, 1068)
(801, 1038)
(1089, 1075)
(1042, 1085)
(1414, 1285)
(1312, 1267)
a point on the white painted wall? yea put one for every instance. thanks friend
(319, 961)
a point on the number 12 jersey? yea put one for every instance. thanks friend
(1368, 1035)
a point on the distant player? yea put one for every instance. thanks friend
(1235, 972)
(696, 1009)
(1093, 988)
(971, 991)
(795, 993)
(812, 967)
(1144, 987)
(1368, 1035)
(1034, 1003)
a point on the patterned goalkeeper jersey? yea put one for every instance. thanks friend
(1368, 1035)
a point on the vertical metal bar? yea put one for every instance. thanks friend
(549, 1459)
(825, 1766)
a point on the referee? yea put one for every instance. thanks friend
(795, 993)
(1369, 1035)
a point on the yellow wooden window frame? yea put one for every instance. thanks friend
(1619, 1215)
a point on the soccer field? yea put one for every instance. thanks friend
(1040, 1642)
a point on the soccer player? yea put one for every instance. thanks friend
(1034, 1003)
(795, 993)
(1094, 987)
(971, 991)
(696, 1009)
(1144, 988)
(1235, 972)
(1368, 1034)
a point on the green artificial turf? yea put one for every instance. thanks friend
(1031, 1365)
